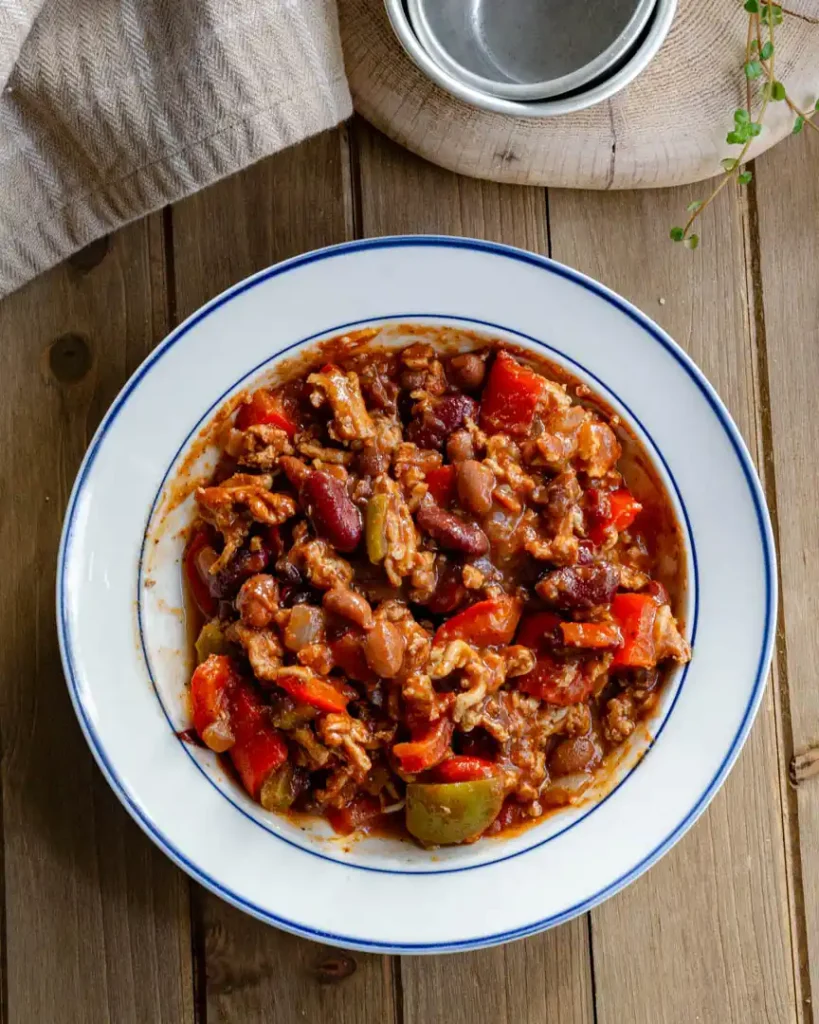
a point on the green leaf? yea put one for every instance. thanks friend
(752, 6)
(692, 241)
(729, 163)
(693, 207)
(736, 138)
(778, 91)
(753, 69)
(754, 46)
(817, 105)
(741, 116)
(771, 14)
(798, 125)
(754, 129)
(745, 177)
(677, 234)
(767, 50)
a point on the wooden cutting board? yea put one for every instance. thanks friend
(667, 128)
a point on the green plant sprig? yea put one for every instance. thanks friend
(760, 62)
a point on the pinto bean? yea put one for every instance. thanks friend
(329, 508)
(258, 600)
(349, 605)
(451, 532)
(476, 483)
(573, 755)
(460, 447)
(384, 649)
(467, 371)
(577, 587)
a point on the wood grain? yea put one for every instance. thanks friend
(705, 934)
(96, 918)
(546, 977)
(298, 200)
(658, 131)
(787, 190)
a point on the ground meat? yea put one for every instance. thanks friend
(415, 559)
(619, 722)
(351, 421)
(234, 505)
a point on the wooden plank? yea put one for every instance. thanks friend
(705, 935)
(546, 977)
(96, 918)
(788, 205)
(298, 200)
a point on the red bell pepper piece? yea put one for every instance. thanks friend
(537, 629)
(511, 813)
(635, 615)
(357, 816)
(594, 635)
(205, 602)
(510, 397)
(441, 484)
(465, 769)
(623, 509)
(556, 682)
(428, 746)
(324, 694)
(485, 624)
(211, 686)
(265, 407)
(259, 749)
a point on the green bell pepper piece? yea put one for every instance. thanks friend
(377, 528)
(440, 814)
(211, 640)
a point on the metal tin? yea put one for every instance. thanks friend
(529, 49)
(595, 92)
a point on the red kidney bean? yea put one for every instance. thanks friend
(451, 532)
(449, 591)
(437, 422)
(245, 563)
(577, 587)
(329, 508)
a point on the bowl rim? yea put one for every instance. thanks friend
(624, 45)
(142, 816)
(664, 12)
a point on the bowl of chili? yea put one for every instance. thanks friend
(430, 590)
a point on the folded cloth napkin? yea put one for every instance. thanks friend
(112, 108)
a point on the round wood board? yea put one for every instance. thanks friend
(667, 128)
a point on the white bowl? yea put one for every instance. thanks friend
(124, 644)
(569, 103)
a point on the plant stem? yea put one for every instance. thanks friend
(806, 117)
(753, 24)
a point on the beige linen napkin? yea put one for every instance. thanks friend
(111, 108)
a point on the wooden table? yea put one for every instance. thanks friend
(100, 926)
